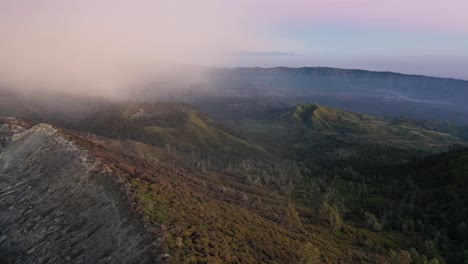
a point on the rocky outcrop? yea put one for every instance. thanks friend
(56, 206)
(4, 137)
(9, 126)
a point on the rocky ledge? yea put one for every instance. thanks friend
(55, 207)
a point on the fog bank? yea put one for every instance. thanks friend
(100, 47)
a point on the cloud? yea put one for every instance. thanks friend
(96, 46)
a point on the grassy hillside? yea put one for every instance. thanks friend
(350, 126)
(344, 122)
(171, 125)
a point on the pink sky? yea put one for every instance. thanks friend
(426, 15)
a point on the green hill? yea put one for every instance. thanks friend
(172, 125)
(375, 129)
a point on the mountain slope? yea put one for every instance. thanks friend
(426, 198)
(220, 217)
(60, 205)
(166, 124)
(357, 126)
(94, 189)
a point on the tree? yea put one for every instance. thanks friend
(331, 214)
(372, 223)
(402, 257)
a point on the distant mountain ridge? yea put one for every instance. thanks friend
(344, 80)
(327, 71)
(377, 93)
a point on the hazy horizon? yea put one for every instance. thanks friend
(437, 66)
(104, 45)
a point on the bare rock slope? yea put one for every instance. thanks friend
(56, 207)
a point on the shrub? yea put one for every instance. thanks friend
(372, 223)
(331, 214)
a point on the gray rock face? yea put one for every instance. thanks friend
(54, 208)
(5, 137)
(9, 126)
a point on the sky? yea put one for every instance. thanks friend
(106, 43)
(419, 36)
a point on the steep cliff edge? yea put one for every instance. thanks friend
(57, 206)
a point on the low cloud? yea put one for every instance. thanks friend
(98, 47)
